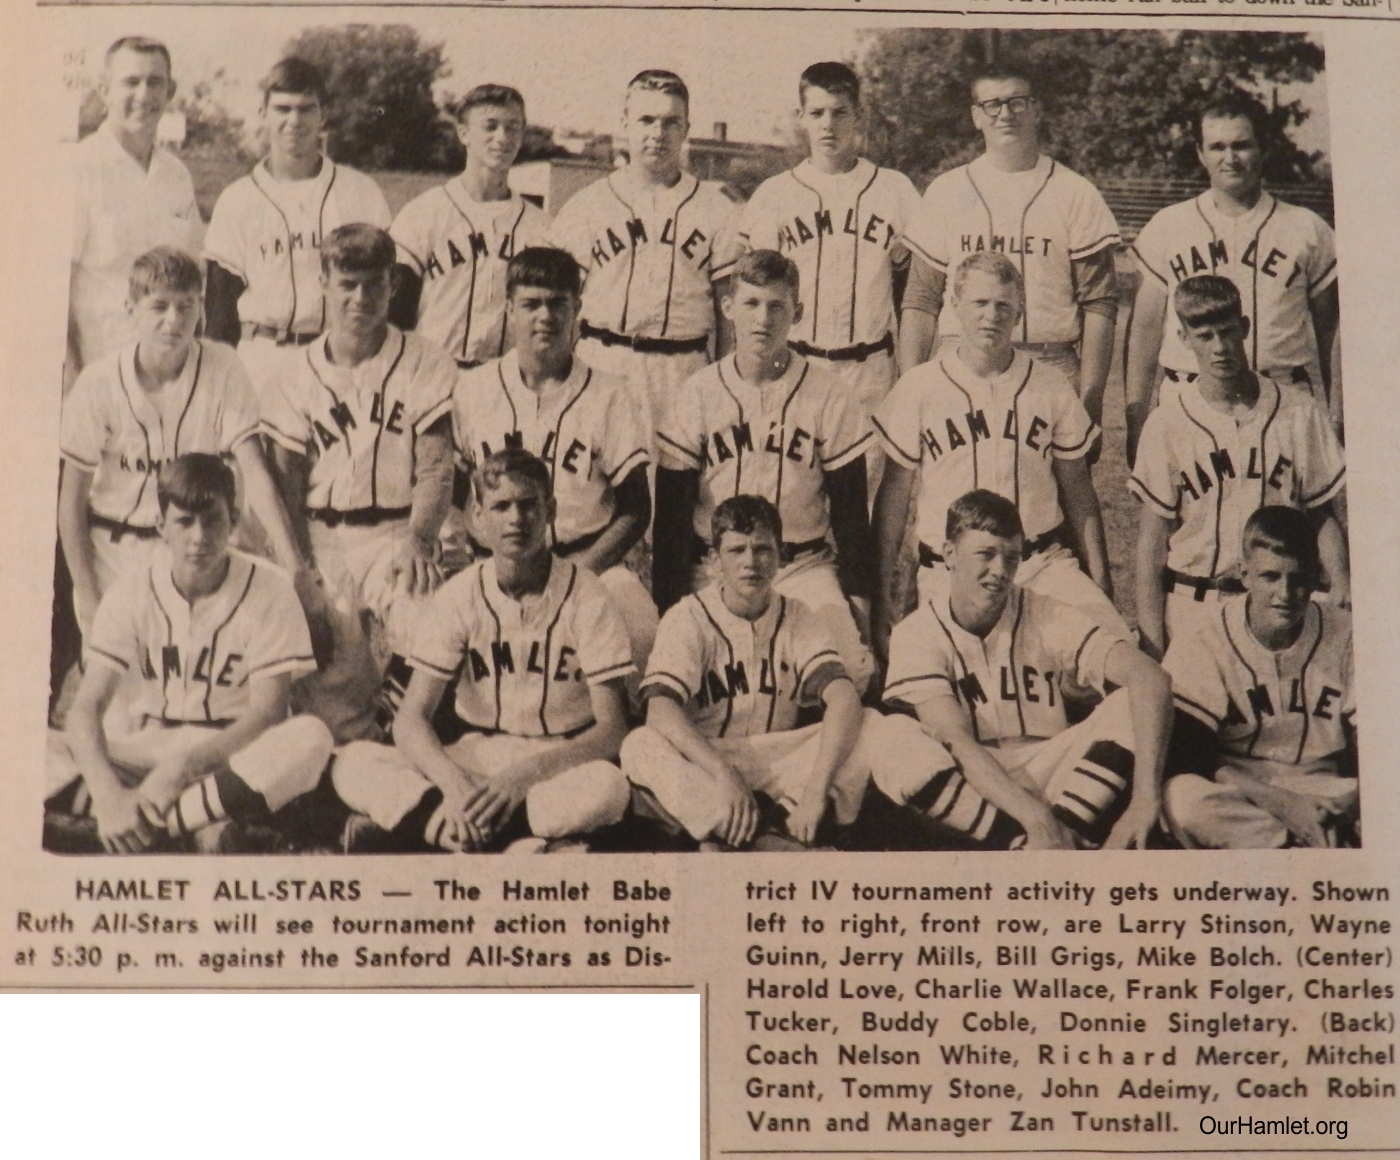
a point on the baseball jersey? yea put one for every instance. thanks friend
(843, 231)
(196, 661)
(585, 428)
(269, 233)
(776, 439)
(649, 255)
(122, 434)
(1280, 257)
(459, 247)
(741, 678)
(119, 212)
(1210, 472)
(359, 425)
(1007, 683)
(961, 432)
(1287, 707)
(1044, 219)
(526, 664)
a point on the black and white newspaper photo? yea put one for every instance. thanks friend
(855, 512)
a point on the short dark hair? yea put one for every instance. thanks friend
(660, 80)
(164, 268)
(983, 511)
(141, 44)
(1206, 299)
(1003, 71)
(1229, 106)
(544, 267)
(1288, 532)
(295, 74)
(744, 515)
(494, 96)
(195, 482)
(831, 77)
(358, 248)
(768, 268)
(511, 463)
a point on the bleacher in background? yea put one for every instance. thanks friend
(1135, 200)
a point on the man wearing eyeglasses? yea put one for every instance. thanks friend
(1047, 219)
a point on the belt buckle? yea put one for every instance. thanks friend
(284, 336)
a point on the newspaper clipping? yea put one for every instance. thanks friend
(858, 513)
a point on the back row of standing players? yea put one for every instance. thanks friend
(657, 249)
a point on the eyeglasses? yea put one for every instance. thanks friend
(1014, 105)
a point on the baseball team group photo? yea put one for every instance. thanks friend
(957, 464)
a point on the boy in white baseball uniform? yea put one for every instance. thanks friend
(731, 669)
(455, 240)
(1281, 257)
(129, 197)
(983, 414)
(841, 218)
(214, 639)
(137, 409)
(265, 235)
(583, 424)
(982, 663)
(1051, 222)
(1221, 446)
(541, 656)
(654, 243)
(1265, 703)
(766, 421)
(362, 432)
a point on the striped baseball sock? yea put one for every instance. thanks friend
(213, 797)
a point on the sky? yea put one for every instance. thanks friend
(572, 77)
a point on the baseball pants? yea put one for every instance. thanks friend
(1217, 815)
(1053, 572)
(380, 781)
(780, 766)
(868, 383)
(1085, 774)
(812, 579)
(279, 765)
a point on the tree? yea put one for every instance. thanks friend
(210, 129)
(1118, 103)
(380, 78)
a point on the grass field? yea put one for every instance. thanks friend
(1110, 474)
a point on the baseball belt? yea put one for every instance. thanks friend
(858, 353)
(928, 557)
(281, 335)
(644, 345)
(467, 364)
(1296, 375)
(118, 529)
(788, 552)
(358, 517)
(1200, 584)
(480, 551)
(1045, 347)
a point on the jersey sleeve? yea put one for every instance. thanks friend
(909, 202)
(1080, 647)
(1074, 432)
(83, 429)
(604, 652)
(280, 641)
(624, 446)
(1149, 248)
(680, 429)
(1198, 688)
(896, 421)
(223, 240)
(818, 662)
(284, 418)
(1154, 479)
(239, 417)
(443, 635)
(115, 637)
(1321, 258)
(369, 204)
(1092, 226)
(845, 435)
(569, 230)
(411, 232)
(431, 395)
(755, 226)
(1322, 472)
(726, 246)
(680, 655)
(927, 233)
(921, 662)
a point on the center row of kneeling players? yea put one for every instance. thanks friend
(765, 561)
